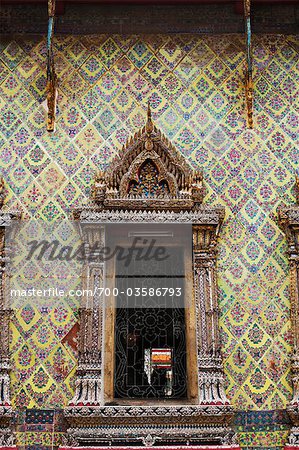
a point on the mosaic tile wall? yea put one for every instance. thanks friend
(194, 84)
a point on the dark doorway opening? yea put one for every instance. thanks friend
(150, 334)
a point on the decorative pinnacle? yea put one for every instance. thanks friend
(149, 124)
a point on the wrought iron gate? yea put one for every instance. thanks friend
(150, 325)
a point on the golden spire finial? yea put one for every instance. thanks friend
(149, 124)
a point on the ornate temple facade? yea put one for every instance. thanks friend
(177, 136)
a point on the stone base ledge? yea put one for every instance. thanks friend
(148, 415)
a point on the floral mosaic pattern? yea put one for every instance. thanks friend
(195, 87)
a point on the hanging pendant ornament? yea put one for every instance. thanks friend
(248, 79)
(51, 75)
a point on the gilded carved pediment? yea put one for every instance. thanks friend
(149, 174)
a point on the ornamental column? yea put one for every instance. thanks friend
(210, 366)
(88, 384)
(7, 436)
(289, 221)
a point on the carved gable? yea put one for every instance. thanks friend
(150, 174)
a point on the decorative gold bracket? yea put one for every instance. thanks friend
(248, 78)
(51, 75)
